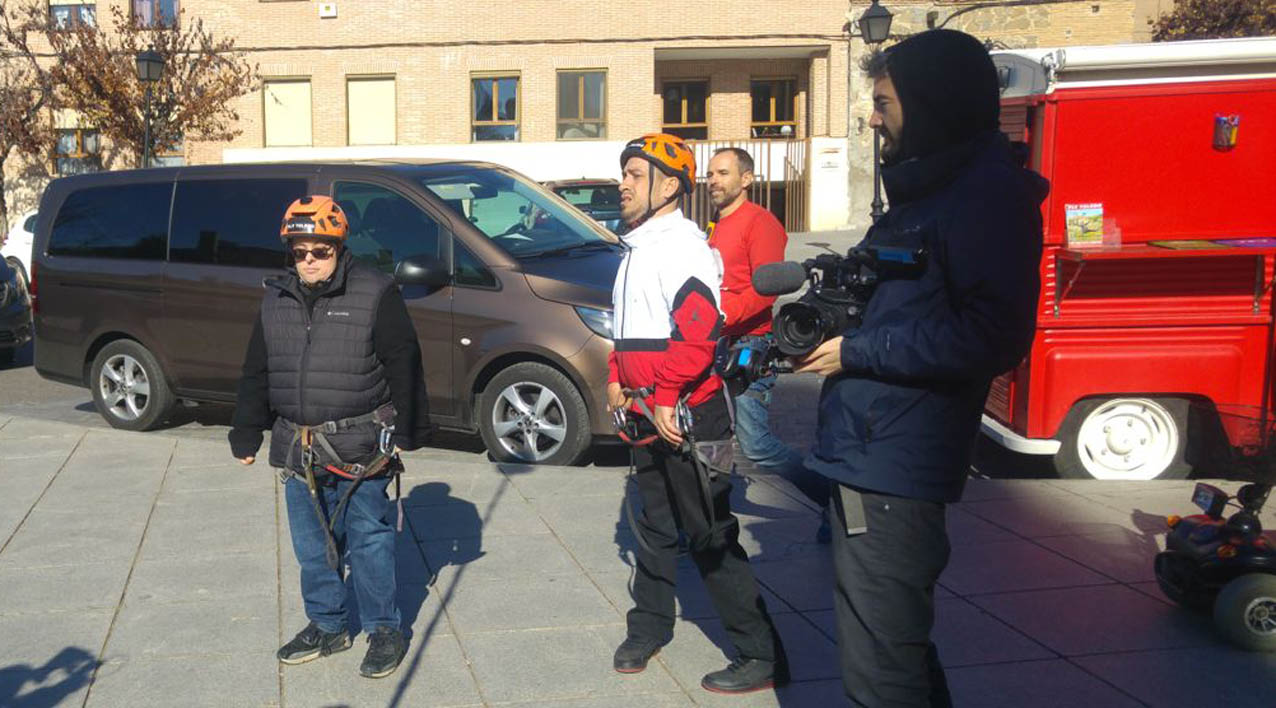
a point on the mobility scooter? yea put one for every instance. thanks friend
(1220, 560)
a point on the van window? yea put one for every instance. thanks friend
(29, 225)
(518, 215)
(119, 221)
(231, 222)
(469, 270)
(385, 227)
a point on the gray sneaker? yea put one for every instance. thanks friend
(312, 643)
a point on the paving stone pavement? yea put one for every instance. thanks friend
(150, 569)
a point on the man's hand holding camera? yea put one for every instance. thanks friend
(825, 360)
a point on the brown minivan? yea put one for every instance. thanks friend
(145, 284)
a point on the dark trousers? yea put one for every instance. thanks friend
(672, 500)
(885, 602)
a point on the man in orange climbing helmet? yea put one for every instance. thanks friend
(675, 162)
(667, 321)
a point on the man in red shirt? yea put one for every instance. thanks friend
(747, 236)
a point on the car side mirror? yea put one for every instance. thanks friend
(427, 271)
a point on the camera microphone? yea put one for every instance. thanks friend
(779, 278)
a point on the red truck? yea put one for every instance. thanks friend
(1159, 250)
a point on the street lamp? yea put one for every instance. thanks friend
(875, 24)
(875, 27)
(150, 65)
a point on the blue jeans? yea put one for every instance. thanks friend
(764, 449)
(365, 531)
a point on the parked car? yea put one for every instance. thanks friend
(15, 313)
(17, 245)
(146, 284)
(599, 198)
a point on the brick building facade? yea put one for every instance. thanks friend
(398, 77)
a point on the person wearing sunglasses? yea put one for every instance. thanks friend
(333, 362)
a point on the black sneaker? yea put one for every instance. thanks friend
(633, 654)
(745, 676)
(312, 643)
(386, 647)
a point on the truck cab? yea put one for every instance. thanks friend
(1158, 253)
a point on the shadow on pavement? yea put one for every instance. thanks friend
(61, 676)
(466, 545)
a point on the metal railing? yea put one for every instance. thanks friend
(780, 182)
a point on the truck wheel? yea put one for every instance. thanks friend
(129, 387)
(1124, 439)
(532, 413)
(1245, 612)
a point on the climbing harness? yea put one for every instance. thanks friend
(709, 458)
(318, 457)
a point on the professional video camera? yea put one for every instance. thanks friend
(840, 288)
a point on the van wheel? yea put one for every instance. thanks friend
(129, 388)
(532, 413)
(1124, 439)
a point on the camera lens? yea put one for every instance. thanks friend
(798, 329)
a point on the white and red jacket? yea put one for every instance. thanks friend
(666, 314)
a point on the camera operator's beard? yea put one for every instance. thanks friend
(890, 146)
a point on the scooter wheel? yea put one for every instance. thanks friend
(1245, 612)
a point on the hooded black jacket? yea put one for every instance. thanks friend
(903, 415)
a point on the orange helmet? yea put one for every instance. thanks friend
(315, 216)
(668, 152)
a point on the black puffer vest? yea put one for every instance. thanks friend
(323, 365)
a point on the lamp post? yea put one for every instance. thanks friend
(150, 65)
(875, 27)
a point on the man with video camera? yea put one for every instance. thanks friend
(900, 410)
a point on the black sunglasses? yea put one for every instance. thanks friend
(321, 253)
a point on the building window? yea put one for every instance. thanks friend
(774, 108)
(686, 109)
(78, 150)
(494, 108)
(286, 114)
(582, 99)
(171, 156)
(154, 13)
(71, 14)
(370, 111)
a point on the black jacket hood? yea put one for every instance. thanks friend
(947, 88)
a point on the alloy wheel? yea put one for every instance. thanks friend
(124, 386)
(529, 421)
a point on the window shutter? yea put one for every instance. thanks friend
(370, 106)
(287, 113)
